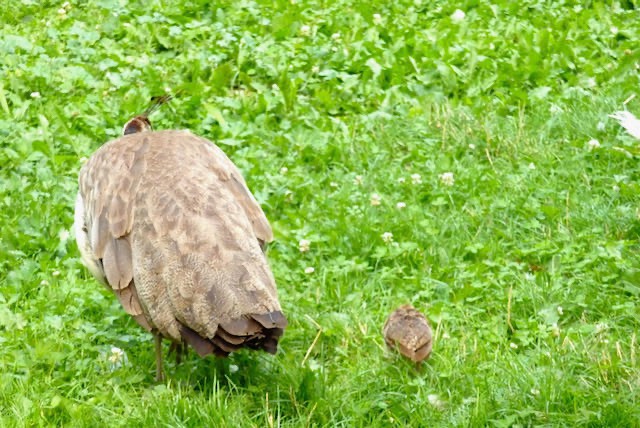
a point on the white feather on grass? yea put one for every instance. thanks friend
(629, 122)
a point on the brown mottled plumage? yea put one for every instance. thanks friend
(167, 222)
(409, 332)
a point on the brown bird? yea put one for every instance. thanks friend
(165, 220)
(409, 332)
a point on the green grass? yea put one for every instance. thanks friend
(528, 266)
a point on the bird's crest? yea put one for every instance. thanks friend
(141, 122)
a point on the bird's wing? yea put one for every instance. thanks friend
(229, 174)
(103, 219)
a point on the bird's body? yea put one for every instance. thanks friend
(166, 221)
(408, 330)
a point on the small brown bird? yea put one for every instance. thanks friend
(165, 220)
(409, 332)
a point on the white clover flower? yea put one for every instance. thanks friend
(55, 273)
(314, 365)
(288, 195)
(446, 178)
(305, 30)
(336, 36)
(532, 165)
(284, 170)
(614, 30)
(333, 184)
(64, 235)
(435, 401)
(472, 146)
(357, 180)
(44, 282)
(416, 178)
(35, 94)
(401, 180)
(387, 237)
(309, 270)
(233, 368)
(513, 345)
(458, 16)
(535, 391)
(377, 19)
(304, 245)
(117, 356)
(62, 11)
(616, 188)
(560, 310)
(315, 69)
(593, 144)
(401, 205)
(275, 87)
(375, 199)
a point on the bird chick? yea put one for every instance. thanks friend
(408, 331)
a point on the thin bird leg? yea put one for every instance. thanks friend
(184, 349)
(175, 347)
(178, 353)
(180, 349)
(159, 371)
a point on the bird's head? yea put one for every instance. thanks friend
(141, 123)
(137, 124)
